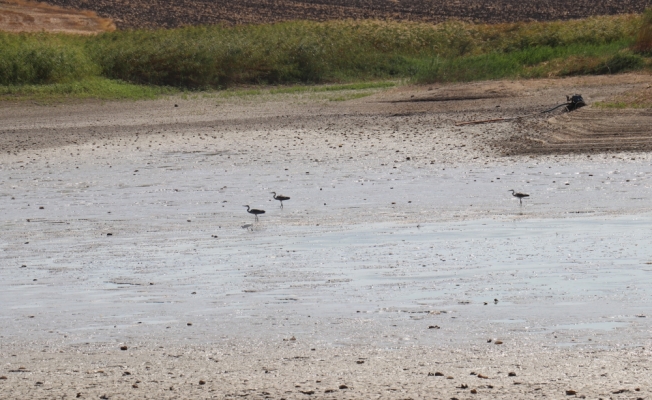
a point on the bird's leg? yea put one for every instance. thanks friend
(281, 204)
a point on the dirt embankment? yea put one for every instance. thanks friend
(162, 13)
(26, 16)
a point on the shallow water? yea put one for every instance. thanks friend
(569, 265)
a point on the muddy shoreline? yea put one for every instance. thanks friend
(400, 254)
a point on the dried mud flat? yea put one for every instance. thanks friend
(160, 13)
(130, 268)
(587, 131)
(27, 16)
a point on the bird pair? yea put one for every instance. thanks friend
(256, 212)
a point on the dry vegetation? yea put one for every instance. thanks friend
(165, 13)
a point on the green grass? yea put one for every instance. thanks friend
(96, 88)
(544, 61)
(333, 88)
(301, 57)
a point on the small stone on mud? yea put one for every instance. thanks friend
(512, 374)
(189, 324)
(483, 376)
(499, 342)
(3, 378)
(449, 377)
(342, 387)
(193, 293)
(123, 347)
(135, 386)
(473, 391)
(434, 327)
(41, 208)
(359, 362)
(570, 392)
(109, 234)
(202, 382)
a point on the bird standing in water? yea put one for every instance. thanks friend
(280, 198)
(254, 211)
(519, 195)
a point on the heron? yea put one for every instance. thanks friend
(280, 198)
(519, 195)
(254, 211)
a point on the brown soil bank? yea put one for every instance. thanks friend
(590, 130)
(163, 13)
(25, 16)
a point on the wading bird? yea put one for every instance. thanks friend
(254, 211)
(519, 195)
(280, 198)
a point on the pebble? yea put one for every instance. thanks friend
(189, 324)
(570, 392)
(434, 327)
(201, 382)
(123, 347)
(498, 342)
(512, 374)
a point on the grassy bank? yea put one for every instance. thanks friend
(141, 64)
